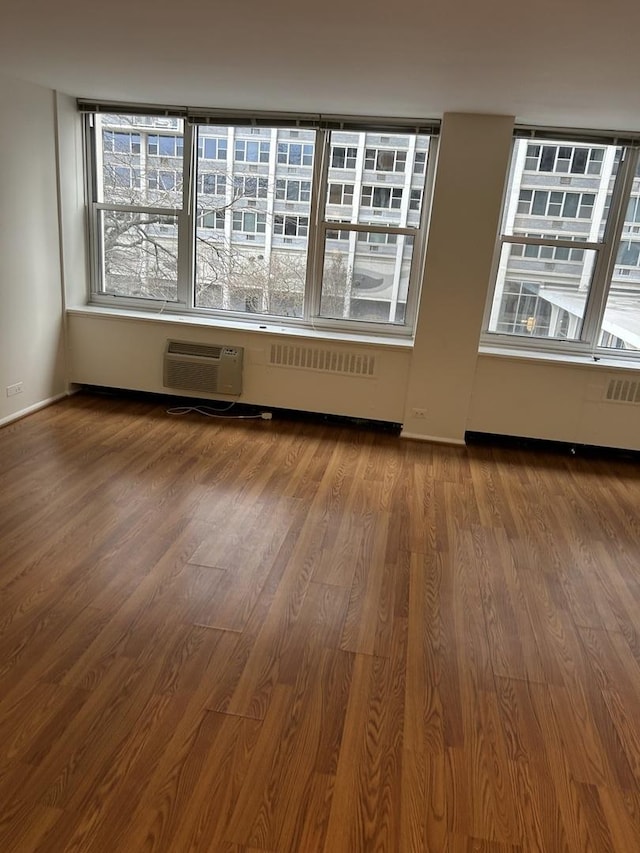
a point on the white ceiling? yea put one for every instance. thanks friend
(553, 62)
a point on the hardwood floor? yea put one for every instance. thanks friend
(282, 636)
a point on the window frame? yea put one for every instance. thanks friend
(591, 330)
(282, 190)
(347, 157)
(187, 215)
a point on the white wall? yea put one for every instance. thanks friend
(472, 163)
(31, 316)
(126, 352)
(554, 401)
(442, 374)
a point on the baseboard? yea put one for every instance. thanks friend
(433, 439)
(239, 407)
(545, 445)
(16, 416)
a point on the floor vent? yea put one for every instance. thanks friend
(323, 360)
(623, 391)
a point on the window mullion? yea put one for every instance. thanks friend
(92, 153)
(186, 219)
(315, 246)
(524, 240)
(138, 208)
(606, 260)
(419, 246)
(367, 228)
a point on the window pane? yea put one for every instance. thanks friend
(579, 164)
(570, 208)
(363, 280)
(383, 165)
(128, 177)
(213, 148)
(621, 321)
(139, 254)
(578, 211)
(233, 278)
(251, 246)
(548, 159)
(343, 157)
(540, 200)
(532, 293)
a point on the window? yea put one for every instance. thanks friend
(335, 234)
(163, 179)
(123, 177)
(420, 162)
(250, 151)
(274, 231)
(212, 148)
(212, 184)
(368, 265)
(135, 213)
(291, 226)
(288, 189)
(382, 197)
(212, 219)
(576, 160)
(568, 205)
(629, 254)
(523, 311)
(249, 187)
(164, 146)
(385, 160)
(295, 154)
(340, 193)
(343, 157)
(547, 253)
(568, 296)
(119, 142)
(250, 223)
(415, 199)
(633, 212)
(377, 238)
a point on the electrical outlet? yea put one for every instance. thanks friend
(419, 413)
(17, 388)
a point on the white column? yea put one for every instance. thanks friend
(473, 161)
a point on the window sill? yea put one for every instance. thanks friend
(270, 328)
(560, 358)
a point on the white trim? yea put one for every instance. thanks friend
(16, 416)
(60, 225)
(434, 439)
(266, 328)
(603, 362)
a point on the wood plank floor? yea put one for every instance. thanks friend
(284, 636)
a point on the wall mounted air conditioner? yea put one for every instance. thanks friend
(208, 368)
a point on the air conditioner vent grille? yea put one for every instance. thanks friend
(202, 350)
(323, 360)
(623, 391)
